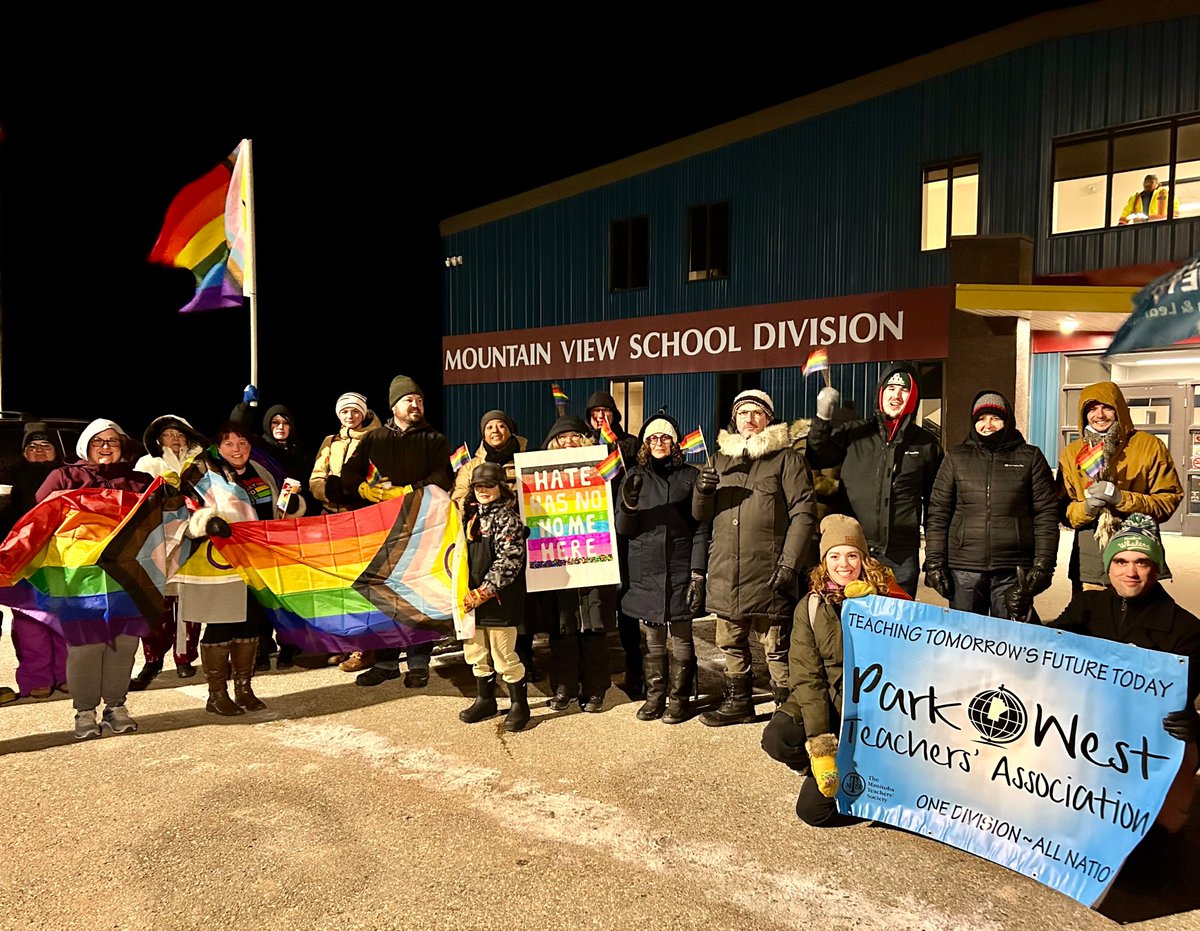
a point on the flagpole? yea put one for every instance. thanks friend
(250, 279)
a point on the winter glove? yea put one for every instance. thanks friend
(937, 577)
(858, 589)
(378, 493)
(1018, 600)
(293, 504)
(708, 480)
(1039, 576)
(829, 399)
(1100, 495)
(218, 527)
(477, 596)
(822, 755)
(695, 594)
(631, 490)
(783, 580)
(333, 489)
(250, 396)
(1183, 725)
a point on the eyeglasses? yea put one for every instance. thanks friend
(41, 447)
(567, 437)
(659, 439)
(171, 435)
(100, 443)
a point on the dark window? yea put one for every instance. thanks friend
(729, 386)
(629, 254)
(708, 241)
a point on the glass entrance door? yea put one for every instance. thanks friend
(1162, 411)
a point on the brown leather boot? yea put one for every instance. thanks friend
(243, 654)
(214, 659)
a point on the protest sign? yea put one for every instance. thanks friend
(567, 508)
(1038, 749)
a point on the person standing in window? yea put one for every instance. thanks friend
(1148, 204)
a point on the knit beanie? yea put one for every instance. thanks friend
(351, 399)
(1138, 534)
(660, 425)
(758, 399)
(402, 385)
(842, 530)
(35, 430)
(498, 415)
(989, 402)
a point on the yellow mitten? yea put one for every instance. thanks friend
(858, 588)
(822, 755)
(379, 493)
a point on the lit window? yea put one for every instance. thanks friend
(949, 203)
(629, 397)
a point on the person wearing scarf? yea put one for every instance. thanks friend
(802, 734)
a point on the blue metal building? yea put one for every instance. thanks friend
(995, 176)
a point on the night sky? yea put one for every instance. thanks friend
(354, 167)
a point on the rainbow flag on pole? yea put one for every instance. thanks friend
(693, 442)
(610, 465)
(560, 396)
(460, 457)
(204, 225)
(608, 434)
(391, 575)
(818, 361)
(1090, 460)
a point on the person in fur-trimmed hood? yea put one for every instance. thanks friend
(888, 465)
(1110, 472)
(758, 497)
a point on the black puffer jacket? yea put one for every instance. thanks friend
(888, 481)
(994, 505)
(666, 544)
(419, 456)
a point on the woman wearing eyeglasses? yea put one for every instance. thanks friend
(98, 671)
(668, 556)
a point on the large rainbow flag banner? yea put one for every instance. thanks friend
(53, 565)
(566, 505)
(391, 575)
(205, 232)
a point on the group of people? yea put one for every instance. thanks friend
(744, 537)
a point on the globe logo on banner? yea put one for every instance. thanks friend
(998, 715)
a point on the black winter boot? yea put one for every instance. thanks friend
(780, 694)
(683, 684)
(149, 673)
(655, 671)
(485, 701)
(738, 706)
(518, 709)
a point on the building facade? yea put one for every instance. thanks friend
(978, 210)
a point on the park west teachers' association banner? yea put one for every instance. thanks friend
(567, 509)
(1038, 749)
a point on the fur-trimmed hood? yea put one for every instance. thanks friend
(798, 429)
(772, 439)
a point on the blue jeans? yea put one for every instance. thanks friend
(906, 569)
(418, 657)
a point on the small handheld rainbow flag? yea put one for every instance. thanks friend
(1090, 460)
(608, 434)
(610, 466)
(693, 442)
(460, 457)
(818, 361)
(560, 396)
(373, 476)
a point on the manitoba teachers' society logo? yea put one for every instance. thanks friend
(998, 715)
(853, 784)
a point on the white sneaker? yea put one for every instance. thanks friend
(85, 725)
(117, 720)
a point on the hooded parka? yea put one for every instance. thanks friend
(1140, 466)
(763, 514)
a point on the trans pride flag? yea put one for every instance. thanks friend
(391, 575)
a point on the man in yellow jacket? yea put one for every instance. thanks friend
(1112, 470)
(1148, 204)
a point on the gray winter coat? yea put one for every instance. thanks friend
(763, 515)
